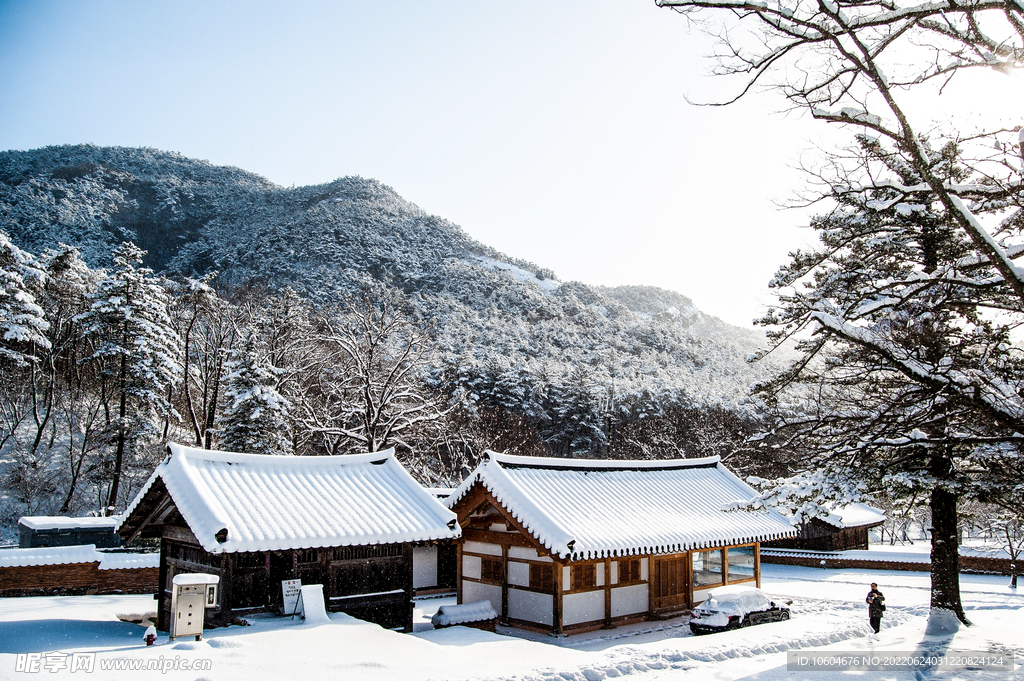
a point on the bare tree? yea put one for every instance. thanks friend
(370, 386)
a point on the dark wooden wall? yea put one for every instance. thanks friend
(373, 583)
(817, 535)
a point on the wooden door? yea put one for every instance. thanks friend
(670, 582)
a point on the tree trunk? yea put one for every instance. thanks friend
(945, 553)
(121, 428)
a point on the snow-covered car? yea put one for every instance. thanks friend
(732, 607)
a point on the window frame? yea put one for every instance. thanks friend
(630, 564)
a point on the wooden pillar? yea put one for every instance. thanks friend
(228, 569)
(689, 579)
(608, 594)
(653, 584)
(556, 602)
(409, 588)
(725, 566)
(458, 572)
(161, 595)
(504, 584)
(757, 564)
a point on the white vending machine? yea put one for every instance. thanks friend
(191, 595)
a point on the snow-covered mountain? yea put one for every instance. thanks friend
(493, 314)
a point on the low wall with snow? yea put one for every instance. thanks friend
(76, 570)
(883, 561)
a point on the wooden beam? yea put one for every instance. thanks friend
(556, 602)
(506, 539)
(160, 506)
(182, 534)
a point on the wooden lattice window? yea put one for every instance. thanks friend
(584, 576)
(490, 570)
(542, 577)
(629, 570)
(250, 560)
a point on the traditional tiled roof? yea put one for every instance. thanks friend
(82, 553)
(585, 509)
(49, 555)
(270, 503)
(55, 522)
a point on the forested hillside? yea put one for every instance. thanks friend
(284, 288)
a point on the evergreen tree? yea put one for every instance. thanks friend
(22, 324)
(135, 347)
(256, 416)
(575, 427)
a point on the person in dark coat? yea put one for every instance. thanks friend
(876, 606)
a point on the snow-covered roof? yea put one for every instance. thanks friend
(611, 508)
(124, 561)
(55, 522)
(49, 555)
(855, 515)
(463, 613)
(850, 515)
(271, 503)
(85, 553)
(735, 599)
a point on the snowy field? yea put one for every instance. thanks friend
(828, 615)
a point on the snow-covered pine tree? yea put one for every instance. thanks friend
(255, 418)
(135, 347)
(911, 370)
(22, 324)
(910, 382)
(574, 427)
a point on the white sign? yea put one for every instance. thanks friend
(290, 590)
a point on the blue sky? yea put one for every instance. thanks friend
(558, 132)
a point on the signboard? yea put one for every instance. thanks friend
(290, 589)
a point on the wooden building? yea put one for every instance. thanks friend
(45, 530)
(845, 529)
(565, 546)
(434, 565)
(350, 523)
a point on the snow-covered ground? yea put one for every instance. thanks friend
(828, 615)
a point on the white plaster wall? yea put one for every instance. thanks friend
(475, 591)
(566, 578)
(528, 554)
(529, 606)
(518, 573)
(480, 547)
(629, 600)
(615, 572)
(600, 574)
(644, 569)
(424, 566)
(471, 566)
(584, 607)
(700, 596)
